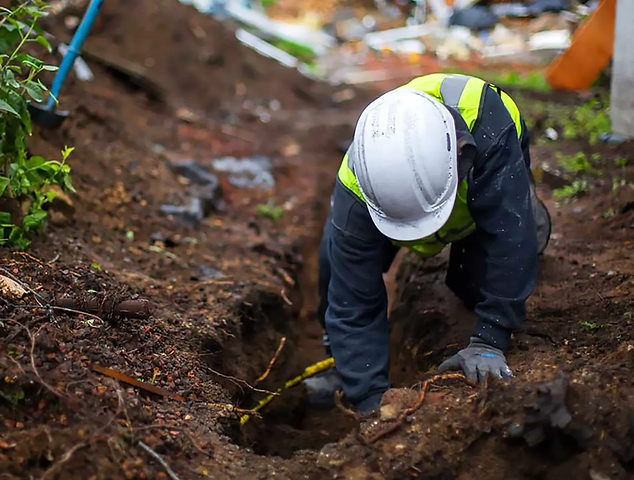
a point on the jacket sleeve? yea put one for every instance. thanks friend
(356, 317)
(499, 202)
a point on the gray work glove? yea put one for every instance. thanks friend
(478, 360)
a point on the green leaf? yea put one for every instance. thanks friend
(4, 183)
(29, 60)
(67, 151)
(17, 239)
(34, 220)
(44, 42)
(10, 79)
(5, 218)
(68, 185)
(5, 107)
(35, 91)
(96, 266)
(35, 161)
(50, 68)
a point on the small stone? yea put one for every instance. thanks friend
(389, 413)
(594, 475)
(10, 288)
(515, 430)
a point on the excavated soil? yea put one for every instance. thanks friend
(223, 292)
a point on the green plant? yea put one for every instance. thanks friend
(567, 193)
(25, 181)
(618, 183)
(575, 164)
(620, 162)
(590, 326)
(587, 122)
(609, 213)
(269, 210)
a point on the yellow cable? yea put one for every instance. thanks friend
(308, 372)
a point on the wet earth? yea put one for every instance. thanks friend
(145, 330)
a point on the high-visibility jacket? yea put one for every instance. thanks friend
(466, 94)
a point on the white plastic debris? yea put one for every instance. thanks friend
(316, 40)
(377, 40)
(247, 172)
(551, 134)
(266, 49)
(556, 40)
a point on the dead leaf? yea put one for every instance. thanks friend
(10, 288)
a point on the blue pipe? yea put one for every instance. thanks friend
(73, 51)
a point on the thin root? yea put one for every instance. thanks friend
(346, 411)
(423, 392)
(241, 383)
(273, 360)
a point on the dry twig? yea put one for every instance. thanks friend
(273, 360)
(32, 338)
(37, 374)
(78, 312)
(240, 383)
(164, 464)
(65, 458)
(401, 418)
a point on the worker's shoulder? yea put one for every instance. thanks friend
(494, 122)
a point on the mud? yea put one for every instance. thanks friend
(225, 290)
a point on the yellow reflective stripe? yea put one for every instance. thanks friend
(513, 111)
(348, 179)
(429, 84)
(454, 234)
(470, 99)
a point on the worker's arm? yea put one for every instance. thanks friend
(356, 318)
(499, 202)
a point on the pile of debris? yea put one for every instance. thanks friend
(321, 42)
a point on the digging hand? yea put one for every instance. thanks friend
(478, 360)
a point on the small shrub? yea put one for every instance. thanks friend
(25, 180)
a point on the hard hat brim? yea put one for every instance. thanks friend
(415, 229)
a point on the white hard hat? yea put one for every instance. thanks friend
(405, 160)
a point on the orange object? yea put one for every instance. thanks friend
(589, 53)
(145, 386)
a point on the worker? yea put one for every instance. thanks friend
(441, 160)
